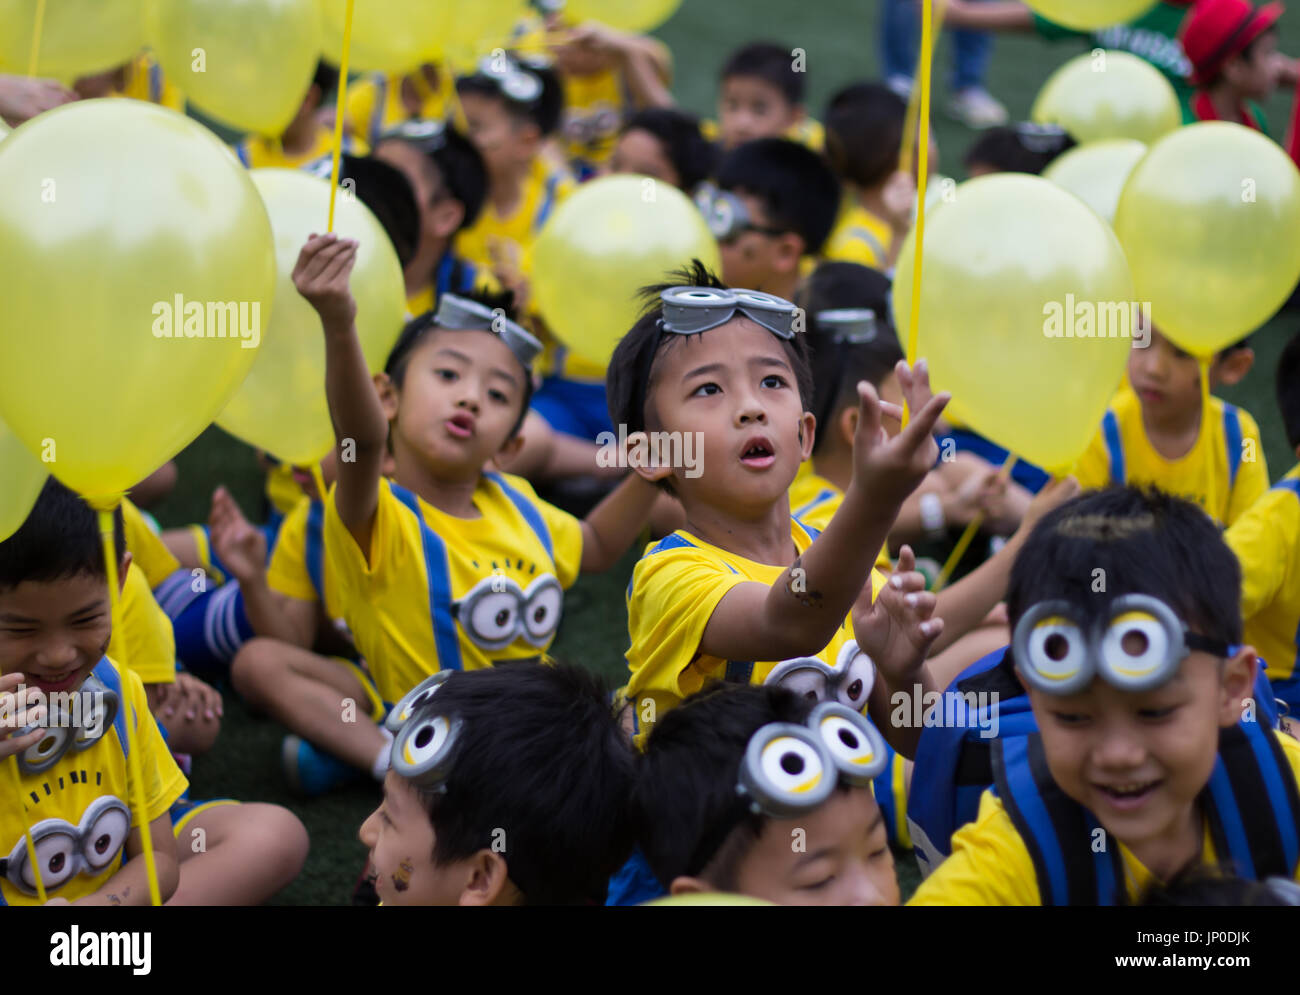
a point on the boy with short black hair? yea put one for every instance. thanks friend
(55, 626)
(1148, 743)
(509, 787)
(708, 821)
(667, 144)
(761, 95)
(774, 205)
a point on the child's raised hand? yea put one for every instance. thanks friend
(238, 544)
(893, 467)
(321, 275)
(18, 709)
(897, 628)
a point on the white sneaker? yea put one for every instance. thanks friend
(901, 85)
(976, 108)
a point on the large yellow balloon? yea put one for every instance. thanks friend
(1085, 15)
(1210, 220)
(1019, 277)
(625, 15)
(23, 475)
(475, 27)
(388, 36)
(130, 243)
(78, 37)
(281, 406)
(1096, 172)
(609, 239)
(1108, 95)
(248, 63)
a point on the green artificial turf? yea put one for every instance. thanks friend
(840, 41)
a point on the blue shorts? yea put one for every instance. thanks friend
(573, 407)
(184, 810)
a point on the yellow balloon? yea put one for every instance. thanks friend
(388, 36)
(23, 475)
(1108, 95)
(135, 244)
(601, 246)
(475, 27)
(257, 61)
(1013, 268)
(4, 129)
(78, 37)
(1096, 172)
(708, 898)
(1085, 15)
(625, 15)
(1210, 220)
(281, 406)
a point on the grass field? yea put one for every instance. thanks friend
(839, 37)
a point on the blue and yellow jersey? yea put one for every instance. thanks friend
(145, 81)
(1224, 472)
(375, 103)
(143, 639)
(814, 501)
(262, 152)
(512, 238)
(859, 237)
(435, 592)
(1266, 539)
(675, 587)
(79, 807)
(298, 568)
(991, 864)
(146, 548)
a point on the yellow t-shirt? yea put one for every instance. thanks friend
(79, 807)
(544, 189)
(298, 568)
(145, 81)
(457, 593)
(814, 501)
(675, 587)
(143, 639)
(809, 132)
(594, 107)
(147, 550)
(262, 152)
(859, 237)
(374, 104)
(990, 864)
(1266, 539)
(1224, 473)
(282, 490)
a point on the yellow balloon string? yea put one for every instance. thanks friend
(132, 754)
(1211, 498)
(339, 109)
(914, 98)
(36, 38)
(27, 832)
(959, 550)
(923, 168)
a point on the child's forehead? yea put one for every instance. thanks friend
(738, 342)
(743, 84)
(55, 598)
(475, 346)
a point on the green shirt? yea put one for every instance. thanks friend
(1153, 37)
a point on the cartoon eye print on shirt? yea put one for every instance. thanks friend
(849, 682)
(77, 723)
(496, 611)
(63, 850)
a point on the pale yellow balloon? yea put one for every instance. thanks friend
(1013, 267)
(248, 63)
(23, 475)
(476, 27)
(137, 273)
(625, 15)
(388, 36)
(1108, 95)
(281, 406)
(606, 241)
(1096, 172)
(1085, 15)
(78, 37)
(4, 129)
(1210, 220)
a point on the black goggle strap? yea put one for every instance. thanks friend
(460, 312)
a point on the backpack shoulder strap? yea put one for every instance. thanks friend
(1252, 803)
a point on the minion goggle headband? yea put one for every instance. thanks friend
(515, 80)
(459, 312)
(424, 742)
(691, 310)
(1137, 645)
(789, 770)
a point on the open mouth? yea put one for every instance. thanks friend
(55, 682)
(461, 426)
(1129, 795)
(758, 454)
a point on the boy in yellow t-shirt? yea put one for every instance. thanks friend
(306, 138)
(1149, 754)
(1156, 434)
(445, 566)
(1266, 539)
(77, 796)
(745, 587)
(761, 95)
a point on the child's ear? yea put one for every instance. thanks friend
(488, 881)
(387, 391)
(510, 450)
(649, 465)
(690, 886)
(847, 424)
(807, 434)
(1232, 368)
(1237, 683)
(789, 252)
(447, 217)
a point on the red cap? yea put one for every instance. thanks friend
(1216, 30)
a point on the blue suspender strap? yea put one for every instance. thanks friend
(113, 681)
(1259, 839)
(548, 202)
(445, 638)
(442, 278)
(316, 548)
(1232, 441)
(1227, 831)
(468, 276)
(1281, 790)
(528, 510)
(1115, 447)
(1015, 786)
(377, 115)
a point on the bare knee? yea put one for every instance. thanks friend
(277, 840)
(253, 669)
